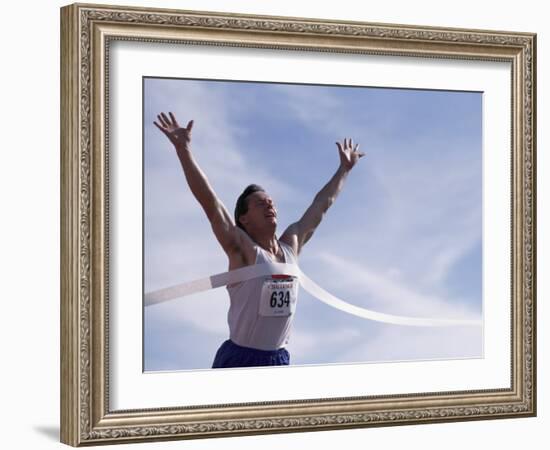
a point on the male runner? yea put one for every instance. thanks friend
(261, 310)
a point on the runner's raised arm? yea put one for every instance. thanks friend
(298, 233)
(228, 235)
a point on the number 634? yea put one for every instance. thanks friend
(279, 299)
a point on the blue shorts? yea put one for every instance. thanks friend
(232, 355)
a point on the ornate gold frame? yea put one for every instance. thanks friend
(86, 31)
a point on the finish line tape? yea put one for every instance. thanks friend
(260, 270)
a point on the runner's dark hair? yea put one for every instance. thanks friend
(242, 202)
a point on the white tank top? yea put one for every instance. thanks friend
(249, 324)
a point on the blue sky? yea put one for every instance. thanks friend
(404, 237)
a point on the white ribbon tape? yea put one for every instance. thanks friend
(220, 279)
(260, 270)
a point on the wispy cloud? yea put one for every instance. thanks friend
(327, 112)
(391, 295)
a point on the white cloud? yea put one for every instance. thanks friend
(431, 212)
(323, 111)
(391, 295)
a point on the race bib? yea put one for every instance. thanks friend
(279, 296)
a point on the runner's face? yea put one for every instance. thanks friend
(261, 210)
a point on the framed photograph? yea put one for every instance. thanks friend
(276, 224)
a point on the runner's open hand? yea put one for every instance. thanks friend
(349, 154)
(179, 137)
